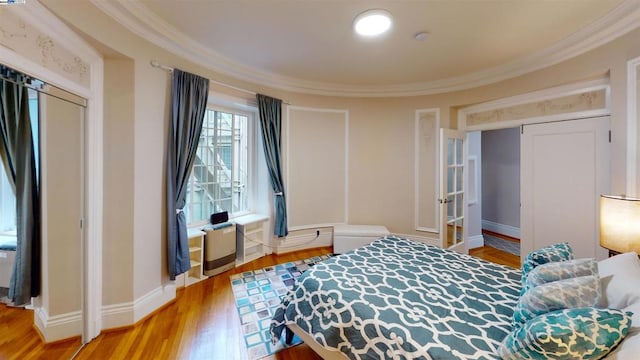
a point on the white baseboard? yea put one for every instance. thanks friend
(117, 315)
(475, 241)
(181, 280)
(153, 300)
(304, 239)
(126, 314)
(501, 228)
(58, 327)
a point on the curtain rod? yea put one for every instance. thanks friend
(156, 64)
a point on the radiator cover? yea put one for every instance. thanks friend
(219, 249)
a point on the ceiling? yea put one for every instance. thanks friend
(308, 46)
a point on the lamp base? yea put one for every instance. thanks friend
(614, 253)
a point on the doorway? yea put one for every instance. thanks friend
(58, 118)
(540, 183)
(494, 213)
(501, 189)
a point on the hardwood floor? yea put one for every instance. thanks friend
(501, 236)
(496, 256)
(201, 323)
(19, 340)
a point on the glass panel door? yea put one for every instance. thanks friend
(452, 197)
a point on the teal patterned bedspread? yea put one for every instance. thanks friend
(400, 299)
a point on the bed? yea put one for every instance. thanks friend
(400, 299)
(448, 303)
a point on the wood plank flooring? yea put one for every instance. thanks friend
(201, 323)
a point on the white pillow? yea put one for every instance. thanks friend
(620, 283)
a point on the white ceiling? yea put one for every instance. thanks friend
(309, 46)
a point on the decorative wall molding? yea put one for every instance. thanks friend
(426, 158)
(52, 55)
(586, 101)
(26, 36)
(338, 120)
(581, 100)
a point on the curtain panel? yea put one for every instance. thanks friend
(18, 157)
(189, 94)
(271, 124)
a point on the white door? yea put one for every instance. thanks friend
(62, 174)
(564, 170)
(452, 197)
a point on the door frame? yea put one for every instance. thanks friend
(40, 20)
(493, 115)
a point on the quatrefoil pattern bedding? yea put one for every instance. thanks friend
(401, 299)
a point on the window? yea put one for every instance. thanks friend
(221, 178)
(7, 203)
(7, 193)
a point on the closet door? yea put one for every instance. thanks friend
(564, 170)
(62, 175)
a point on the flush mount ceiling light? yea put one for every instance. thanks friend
(372, 22)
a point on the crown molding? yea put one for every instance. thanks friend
(143, 22)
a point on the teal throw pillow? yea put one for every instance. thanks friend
(555, 271)
(582, 333)
(583, 291)
(552, 253)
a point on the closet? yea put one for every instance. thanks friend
(58, 132)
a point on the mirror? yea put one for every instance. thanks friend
(58, 119)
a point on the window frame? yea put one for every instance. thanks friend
(251, 112)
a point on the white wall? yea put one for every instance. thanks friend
(118, 181)
(380, 146)
(316, 171)
(501, 179)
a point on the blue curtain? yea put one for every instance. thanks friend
(189, 95)
(18, 157)
(271, 125)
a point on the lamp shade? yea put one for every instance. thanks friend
(620, 223)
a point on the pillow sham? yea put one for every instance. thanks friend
(620, 277)
(552, 253)
(555, 271)
(583, 291)
(582, 333)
